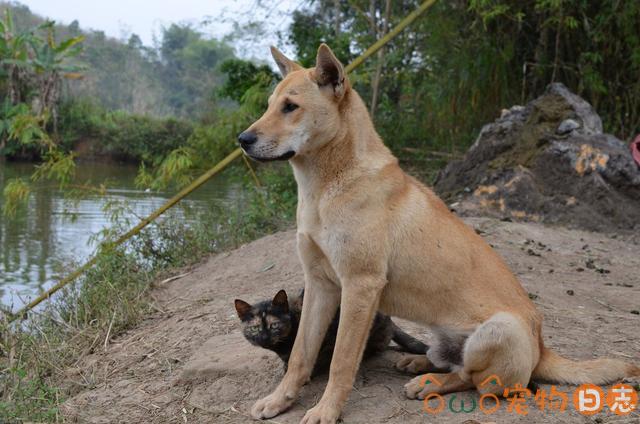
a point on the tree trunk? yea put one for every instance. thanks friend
(375, 83)
(556, 54)
(13, 83)
(336, 7)
(373, 31)
(540, 56)
(49, 97)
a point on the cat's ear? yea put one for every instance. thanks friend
(242, 308)
(280, 300)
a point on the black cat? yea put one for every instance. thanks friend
(273, 325)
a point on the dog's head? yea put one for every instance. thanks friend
(303, 112)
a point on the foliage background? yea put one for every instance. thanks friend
(441, 79)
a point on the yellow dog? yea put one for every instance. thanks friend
(371, 237)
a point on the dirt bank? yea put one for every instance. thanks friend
(187, 362)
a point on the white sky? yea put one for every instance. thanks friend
(120, 18)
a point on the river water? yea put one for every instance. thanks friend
(52, 229)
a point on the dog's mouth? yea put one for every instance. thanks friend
(286, 156)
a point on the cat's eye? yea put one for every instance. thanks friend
(274, 325)
(289, 107)
(255, 329)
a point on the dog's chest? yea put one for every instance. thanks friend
(311, 250)
(320, 221)
(316, 245)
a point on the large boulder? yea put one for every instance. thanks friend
(548, 161)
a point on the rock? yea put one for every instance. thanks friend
(567, 126)
(547, 161)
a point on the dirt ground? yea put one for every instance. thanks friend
(188, 363)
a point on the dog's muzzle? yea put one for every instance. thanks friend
(285, 156)
(247, 139)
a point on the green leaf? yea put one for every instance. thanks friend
(67, 44)
(16, 193)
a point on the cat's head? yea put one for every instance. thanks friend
(268, 323)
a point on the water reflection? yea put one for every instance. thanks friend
(51, 229)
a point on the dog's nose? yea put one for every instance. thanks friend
(247, 138)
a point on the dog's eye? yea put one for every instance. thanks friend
(289, 107)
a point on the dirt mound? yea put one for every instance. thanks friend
(188, 362)
(548, 161)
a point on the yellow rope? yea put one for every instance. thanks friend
(251, 171)
(209, 174)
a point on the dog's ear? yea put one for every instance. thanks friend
(285, 64)
(329, 71)
(242, 308)
(280, 300)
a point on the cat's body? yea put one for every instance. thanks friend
(273, 325)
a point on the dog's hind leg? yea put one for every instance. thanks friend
(499, 353)
(502, 350)
(321, 300)
(419, 387)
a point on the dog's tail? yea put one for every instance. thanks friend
(554, 368)
(406, 342)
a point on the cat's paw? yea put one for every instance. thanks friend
(322, 413)
(270, 406)
(414, 364)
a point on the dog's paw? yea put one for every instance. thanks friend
(413, 389)
(271, 406)
(419, 387)
(322, 413)
(414, 364)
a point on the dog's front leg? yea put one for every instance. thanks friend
(321, 300)
(360, 299)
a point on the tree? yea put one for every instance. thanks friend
(14, 58)
(190, 68)
(51, 63)
(241, 76)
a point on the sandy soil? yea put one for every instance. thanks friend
(188, 363)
